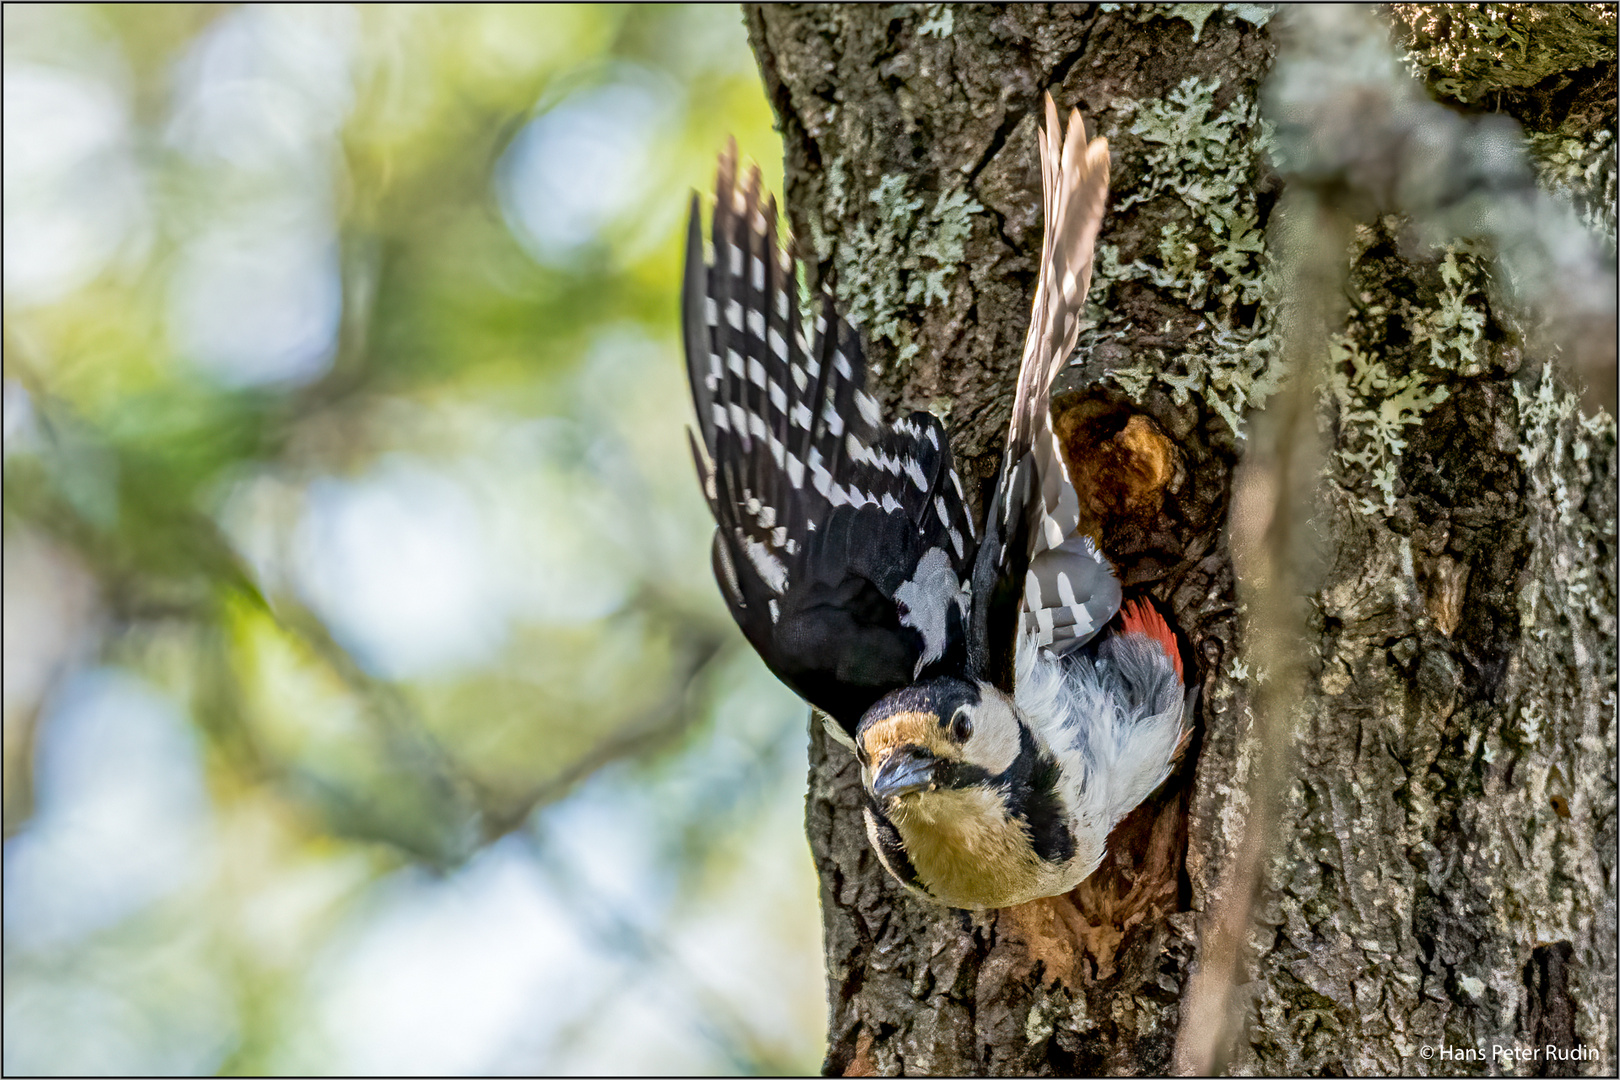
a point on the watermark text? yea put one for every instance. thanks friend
(1504, 1054)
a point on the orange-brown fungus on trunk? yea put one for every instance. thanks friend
(1122, 464)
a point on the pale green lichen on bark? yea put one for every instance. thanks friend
(903, 259)
(1376, 403)
(1216, 259)
(1567, 698)
(1212, 261)
(1194, 15)
(1558, 447)
(1466, 51)
(1582, 170)
(1455, 327)
(1038, 1025)
(1374, 408)
(940, 21)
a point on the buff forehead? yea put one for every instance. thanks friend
(904, 729)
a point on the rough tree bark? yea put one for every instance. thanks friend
(1444, 867)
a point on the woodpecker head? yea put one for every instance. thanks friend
(939, 736)
(965, 800)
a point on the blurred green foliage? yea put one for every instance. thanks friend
(343, 445)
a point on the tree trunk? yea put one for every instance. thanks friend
(1441, 872)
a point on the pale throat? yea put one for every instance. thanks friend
(964, 846)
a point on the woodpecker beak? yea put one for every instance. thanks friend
(906, 769)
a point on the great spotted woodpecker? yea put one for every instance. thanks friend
(1006, 710)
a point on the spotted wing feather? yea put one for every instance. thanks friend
(1074, 183)
(841, 541)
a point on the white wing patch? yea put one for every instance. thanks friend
(927, 598)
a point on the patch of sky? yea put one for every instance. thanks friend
(708, 38)
(160, 1014)
(257, 298)
(562, 524)
(261, 98)
(267, 89)
(21, 430)
(50, 602)
(74, 197)
(122, 818)
(421, 567)
(585, 161)
(396, 562)
(433, 974)
(631, 395)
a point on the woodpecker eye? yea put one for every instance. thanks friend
(961, 725)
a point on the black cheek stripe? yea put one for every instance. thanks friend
(1030, 784)
(891, 849)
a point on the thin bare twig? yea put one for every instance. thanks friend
(1274, 555)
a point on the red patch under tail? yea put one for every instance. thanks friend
(1141, 617)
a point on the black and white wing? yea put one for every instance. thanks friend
(1034, 574)
(842, 544)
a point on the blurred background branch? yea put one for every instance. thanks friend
(1275, 555)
